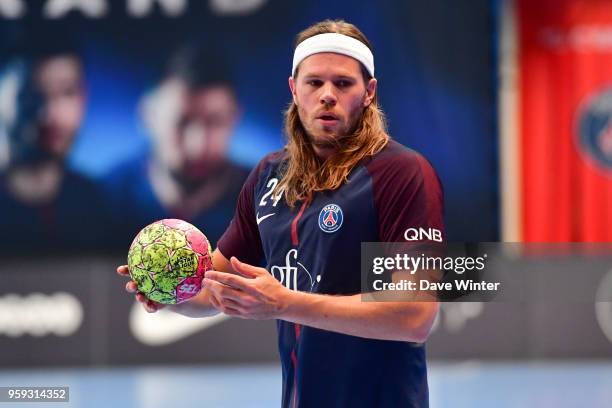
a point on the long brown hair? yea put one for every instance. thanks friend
(304, 173)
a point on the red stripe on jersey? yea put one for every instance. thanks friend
(294, 360)
(298, 328)
(294, 235)
(294, 239)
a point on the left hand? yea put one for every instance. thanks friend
(254, 295)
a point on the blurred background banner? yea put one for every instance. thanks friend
(565, 120)
(132, 135)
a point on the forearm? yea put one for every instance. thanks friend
(404, 321)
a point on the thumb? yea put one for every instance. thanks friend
(244, 269)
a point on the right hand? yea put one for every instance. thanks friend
(132, 287)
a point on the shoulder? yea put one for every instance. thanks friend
(273, 159)
(270, 163)
(267, 166)
(406, 192)
(398, 161)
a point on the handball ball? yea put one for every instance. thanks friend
(167, 259)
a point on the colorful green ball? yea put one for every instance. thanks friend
(168, 259)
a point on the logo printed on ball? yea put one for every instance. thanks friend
(331, 218)
(190, 289)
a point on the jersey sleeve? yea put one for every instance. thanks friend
(407, 195)
(241, 238)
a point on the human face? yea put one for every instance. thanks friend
(59, 83)
(330, 94)
(204, 130)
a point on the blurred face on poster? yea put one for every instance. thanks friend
(59, 84)
(191, 127)
(204, 129)
(42, 103)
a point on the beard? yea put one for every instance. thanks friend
(324, 143)
(330, 140)
(323, 139)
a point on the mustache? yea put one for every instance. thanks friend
(327, 112)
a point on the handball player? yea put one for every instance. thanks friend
(303, 212)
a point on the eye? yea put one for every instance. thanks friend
(343, 83)
(314, 82)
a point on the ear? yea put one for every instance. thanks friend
(370, 92)
(292, 89)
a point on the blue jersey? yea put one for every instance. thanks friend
(315, 247)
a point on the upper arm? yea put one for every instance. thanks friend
(407, 194)
(241, 238)
(409, 205)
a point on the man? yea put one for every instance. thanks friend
(306, 209)
(45, 204)
(191, 116)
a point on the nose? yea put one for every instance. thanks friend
(328, 96)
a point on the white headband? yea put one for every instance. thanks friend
(336, 43)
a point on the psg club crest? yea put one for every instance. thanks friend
(595, 128)
(330, 218)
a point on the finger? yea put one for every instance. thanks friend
(229, 279)
(222, 291)
(230, 311)
(215, 302)
(225, 306)
(231, 304)
(123, 270)
(149, 308)
(245, 269)
(152, 307)
(131, 287)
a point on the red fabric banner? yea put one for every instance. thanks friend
(565, 68)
